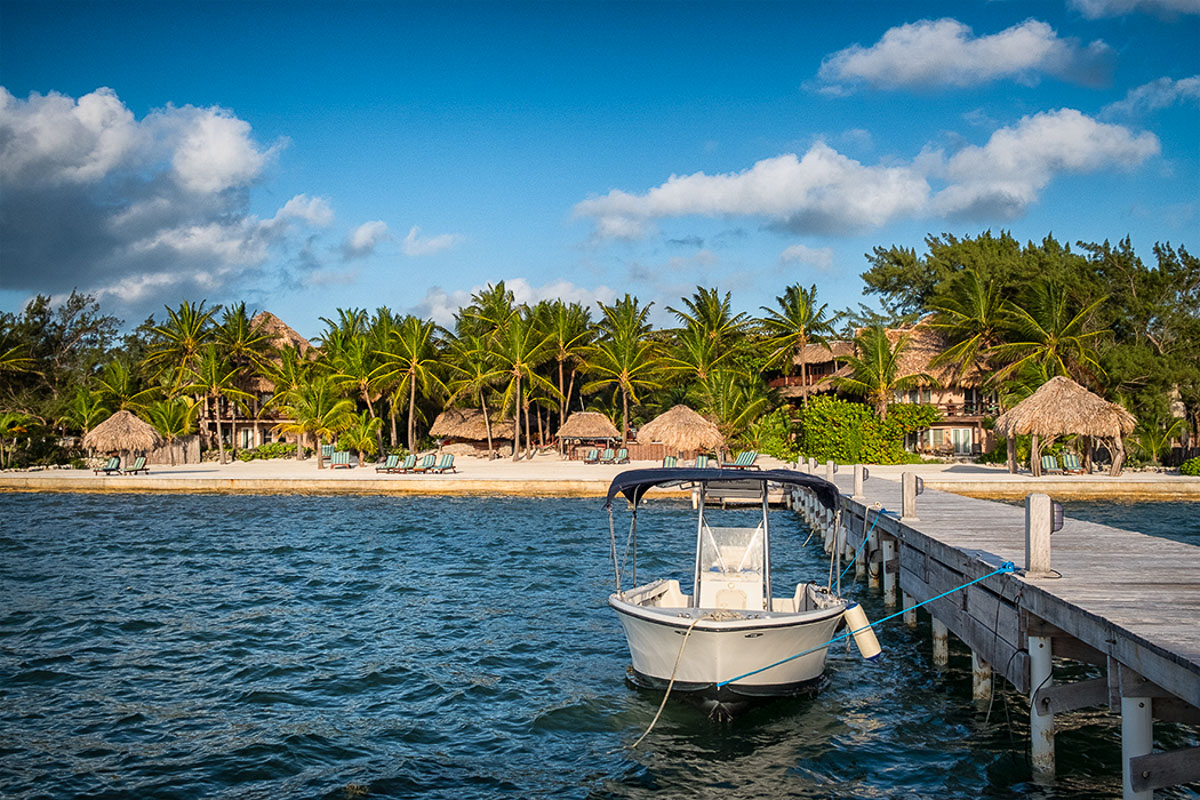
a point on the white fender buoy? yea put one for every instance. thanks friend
(860, 629)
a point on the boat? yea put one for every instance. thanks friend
(732, 641)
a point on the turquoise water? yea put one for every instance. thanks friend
(337, 647)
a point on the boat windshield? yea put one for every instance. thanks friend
(731, 573)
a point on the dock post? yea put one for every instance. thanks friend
(981, 677)
(910, 609)
(1137, 739)
(830, 469)
(908, 506)
(1038, 524)
(874, 556)
(1041, 720)
(889, 576)
(858, 482)
(812, 465)
(941, 643)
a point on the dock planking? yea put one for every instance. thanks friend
(1119, 597)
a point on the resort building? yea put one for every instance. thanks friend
(960, 397)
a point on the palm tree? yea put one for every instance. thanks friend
(173, 419)
(969, 314)
(287, 375)
(734, 401)
(215, 378)
(520, 347)
(179, 342)
(570, 329)
(411, 361)
(712, 315)
(85, 410)
(475, 370)
(697, 355)
(490, 310)
(796, 323)
(876, 369)
(12, 425)
(354, 368)
(117, 388)
(1043, 331)
(625, 360)
(362, 434)
(318, 408)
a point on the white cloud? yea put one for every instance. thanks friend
(417, 245)
(142, 211)
(1155, 95)
(441, 305)
(819, 257)
(1094, 9)
(1004, 177)
(824, 191)
(945, 52)
(362, 240)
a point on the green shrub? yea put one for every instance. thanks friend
(1190, 467)
(245, 455)
(852, 433)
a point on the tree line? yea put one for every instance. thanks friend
(1015, 314)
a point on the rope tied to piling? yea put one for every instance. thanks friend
(866, 536)
(1006, 567)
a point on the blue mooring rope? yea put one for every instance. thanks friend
(866, 539)
(1007, 566)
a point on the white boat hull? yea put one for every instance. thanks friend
(723, 645)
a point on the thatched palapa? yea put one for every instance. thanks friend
(1061, 407)
(588, 425)
(467, 424)
(122, 432)
(282, 335)
(684, 430)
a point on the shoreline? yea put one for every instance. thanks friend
(545, 475)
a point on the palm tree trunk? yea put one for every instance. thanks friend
(1035, 457)
(412, 413)
(804, 373)
(220, 440)
(320, 452)
(624, 418)
(371, 411)
(392, 417)
(487, 425)
(517, 423)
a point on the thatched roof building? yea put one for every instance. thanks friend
(588, 425)
(467, 424)
(282, 335)
(682, 429)
(1061, 407)
(123, 432)
(924, 343)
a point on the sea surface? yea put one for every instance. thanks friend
(190, 646)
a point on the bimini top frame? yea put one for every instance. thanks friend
(634, 483)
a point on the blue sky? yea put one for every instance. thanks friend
(310, 156)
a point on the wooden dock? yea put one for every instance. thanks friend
(1126, 602)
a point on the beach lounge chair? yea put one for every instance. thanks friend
(111, 466)
(1071, 465)
(326, 451)
(392, 462)
(445, 464)
(406, 465)
(622, 456)
(670, 462)
(592, 456)
(341, 459)
(608, 456)
(139, 465)
(1050, 466)
(702, 461)
(744, 460)
(427, 463)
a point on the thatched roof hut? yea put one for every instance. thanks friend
(123, 432)
(467, 424)
(588, 425)
(682, 429)
(924, 343)
(1061, 407)
(282, 335)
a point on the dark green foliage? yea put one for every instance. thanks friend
(1191, 466)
